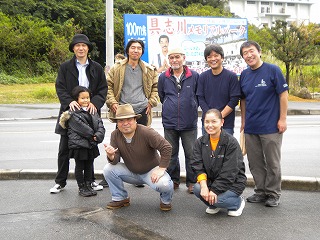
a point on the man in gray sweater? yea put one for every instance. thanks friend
(138, 146)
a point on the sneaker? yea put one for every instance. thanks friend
(272, 201)
(89, 187)
(96, 186)
(104, 183)
(257, 198)
(118, 204)
(56, 188)
(165, 207)
(84, 191)
(238, 212)
(212, 210)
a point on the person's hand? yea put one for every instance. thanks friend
(212, 198)
(94, 138)
(157, 174)
(148, 111)
(111, 151)
(282, 126)
(114, 107)
(92, 109)
(208, 195)
(74, 105)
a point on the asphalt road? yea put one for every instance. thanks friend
(29, 211)
(32, 144)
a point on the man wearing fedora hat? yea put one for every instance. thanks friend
(79, 71)
(177, 91)
(138, 146)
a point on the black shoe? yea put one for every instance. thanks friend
(89, 187)
(272, 201)
(84, 191)
(104, 183)
(257, 198)
(139, 185)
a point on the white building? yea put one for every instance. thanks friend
(264, 12)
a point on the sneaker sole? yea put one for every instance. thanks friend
(272, 205)
(165, 209)
(117, 207)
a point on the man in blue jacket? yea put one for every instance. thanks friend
(177, 89)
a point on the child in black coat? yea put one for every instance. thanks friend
(85, 131)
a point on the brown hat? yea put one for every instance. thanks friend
(176, 51)
(80, 38)
(124, 111)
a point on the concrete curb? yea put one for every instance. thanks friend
(288, 182)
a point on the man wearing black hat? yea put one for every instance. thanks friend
(79, 71)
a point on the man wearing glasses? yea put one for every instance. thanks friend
(177, 88)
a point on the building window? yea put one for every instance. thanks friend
(251, 2)
(278, 4)
(290, 4)
(264, 3)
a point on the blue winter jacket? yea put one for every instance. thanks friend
(179, 101)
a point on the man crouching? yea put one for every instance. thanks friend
(137, 145)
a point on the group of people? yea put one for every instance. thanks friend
(137, 154)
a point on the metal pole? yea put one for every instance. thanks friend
(109, 35)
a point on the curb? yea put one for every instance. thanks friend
(288, 182)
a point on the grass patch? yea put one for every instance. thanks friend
(46, 93)
(28, 93)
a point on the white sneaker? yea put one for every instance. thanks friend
(56, 188)
(238, 212)
(212, 210)
(96, 186)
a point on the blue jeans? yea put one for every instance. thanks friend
(115, 175)
(188, 139)
(228, 199)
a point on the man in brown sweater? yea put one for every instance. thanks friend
(138, 146)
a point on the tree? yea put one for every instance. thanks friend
(292, 44)
(197, 9)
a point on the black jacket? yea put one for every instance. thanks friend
(82, 126)
(68, 79)
(224, 167)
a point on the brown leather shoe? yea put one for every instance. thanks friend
(175, 185)
(190, 189)
(165, 207)
(118, 204)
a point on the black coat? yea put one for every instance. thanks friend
(82, 126)
(68, 79)
(224, 167)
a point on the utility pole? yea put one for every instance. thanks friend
(109, 35)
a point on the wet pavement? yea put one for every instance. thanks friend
(29, 211)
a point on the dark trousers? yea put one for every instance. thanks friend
(188, 138)
(63, 161)
(83, 171)
(144, 118)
